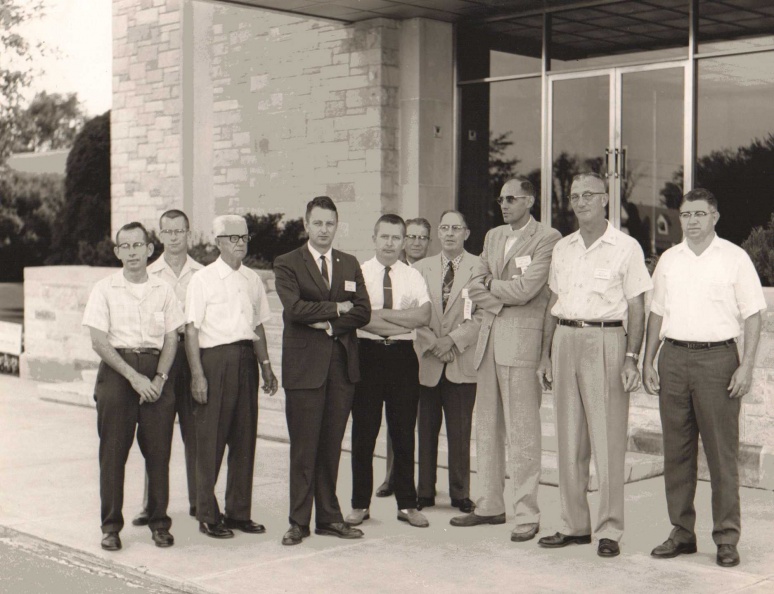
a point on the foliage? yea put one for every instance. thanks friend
(29, 208)
(51, 122)
(16, 67)
(760, 246)
(86, 213)
(271, 238)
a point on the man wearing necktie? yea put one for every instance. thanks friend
(325, 300)
(389, 372)
(447, 376)
(509, 285)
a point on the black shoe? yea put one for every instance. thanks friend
(728, 556)
(247, 526)
(162, 538)
(295, 535)
(192, 511)
(217, 530)
(423, 502)
(608, 548)
(465, 505)
(474, 520)
(141, 519)
(669, 549)
(384, 490)
(340, 529)
(562, 540)
(111, 541)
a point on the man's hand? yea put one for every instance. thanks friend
(544, 373)
(740, 381)
(157, 383)
(630, 376)
(448, 357)
(487, 282)
(143, 386)
(199, 388)
(343, 307)
(650, 379)
(442, 346)
(270, 384)
(319, 325)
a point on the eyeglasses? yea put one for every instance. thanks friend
(419, 237)
(175, 232)
(455, 228)
(699, 214)
(136, 245)
(510, 199)
(587, 196)
(236, 238)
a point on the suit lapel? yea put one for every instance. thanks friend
(499, 245)
(434, 281)
(311, 266)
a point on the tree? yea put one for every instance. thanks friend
(16, 68)
(50, 122)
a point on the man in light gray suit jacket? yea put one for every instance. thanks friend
(447, 376)
(509, 285)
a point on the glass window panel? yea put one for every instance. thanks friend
(734, 24)
(504, 64)
(735, 140)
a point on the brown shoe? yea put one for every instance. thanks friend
(340, 529)
(608, 548)
(111, 541)
(524, 532)
(728, 556)
(562, 540)
(669, 549)
(295, 535)
(413, 517)
(475, 520)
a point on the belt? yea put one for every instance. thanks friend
(584, 324)
(700, 345)
(139, 351)
(384, 341)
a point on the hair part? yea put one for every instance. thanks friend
(324, 202)
(700, 194)
(421, 221)
(390, 219)
(457, 212)
(219, 223)
(175, 214)
(132, 226)
(524, 184)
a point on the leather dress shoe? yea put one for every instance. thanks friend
(524, 532)
(669, 549)
(413, 517)
(295, 535)
(562, 540)
(358, 516)
(247, 526)
(474, 520)
(141, 519)
(111, 541)
(728, 556)
(384, 490)
(217, 530)
(423, 502)
(608, 548)
(340, 529)
(465, 505)
(162, 538)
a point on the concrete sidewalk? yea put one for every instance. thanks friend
(49, 490)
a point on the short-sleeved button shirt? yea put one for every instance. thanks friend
(595, 283)
(703, 298)
(132, 322)
(226, 305)
(161, 269)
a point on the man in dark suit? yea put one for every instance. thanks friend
(325, 300)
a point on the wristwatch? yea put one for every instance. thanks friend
(634, 356)
(163, 376)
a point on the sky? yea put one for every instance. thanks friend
(77, 34)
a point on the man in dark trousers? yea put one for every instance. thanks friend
(133, 319)
(325, 301)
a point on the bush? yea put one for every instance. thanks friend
(271, 238)
(760, 246)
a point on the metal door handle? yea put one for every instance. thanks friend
(617, 153)
(607, 163)
(623, 163)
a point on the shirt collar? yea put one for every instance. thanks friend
(398, 264)
(609, 236)
(224, 269)
(714, 244)
(119, 280)
(511, 232)
(317, 255)
(162, 264)
(455, 263)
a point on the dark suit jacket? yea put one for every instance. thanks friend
(306, 351)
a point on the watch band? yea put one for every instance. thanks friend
(163, 376)
(265, 362)
(634, 356)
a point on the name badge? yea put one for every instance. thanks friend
(603, 273)
(523, 262)
(467, 312)
(350, 286)
(465, 294)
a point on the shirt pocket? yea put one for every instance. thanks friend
(720, 291)
(609, 290)
(157, 325)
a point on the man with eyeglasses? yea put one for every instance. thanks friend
(133, 318)
(176, 267)
(703, 288)
(226, 307)
(598, 281)
(447, 376)
(509, 286)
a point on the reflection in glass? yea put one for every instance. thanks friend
(505, 64)
(652, 142)
(748, 23)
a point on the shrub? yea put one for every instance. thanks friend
(760, 246)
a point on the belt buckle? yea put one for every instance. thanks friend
(137, 350)
(581, 324)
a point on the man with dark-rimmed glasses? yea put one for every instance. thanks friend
(226, 308)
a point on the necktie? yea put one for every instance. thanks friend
(324, 271)
(387, 288)
(448, 281)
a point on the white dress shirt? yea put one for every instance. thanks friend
(226, 305)
(513, 237)
(328, 260)
(703, 298)
(131, 321)
(408, 290)
(595, 283)
(161, 269)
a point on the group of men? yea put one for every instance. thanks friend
(428, 338)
